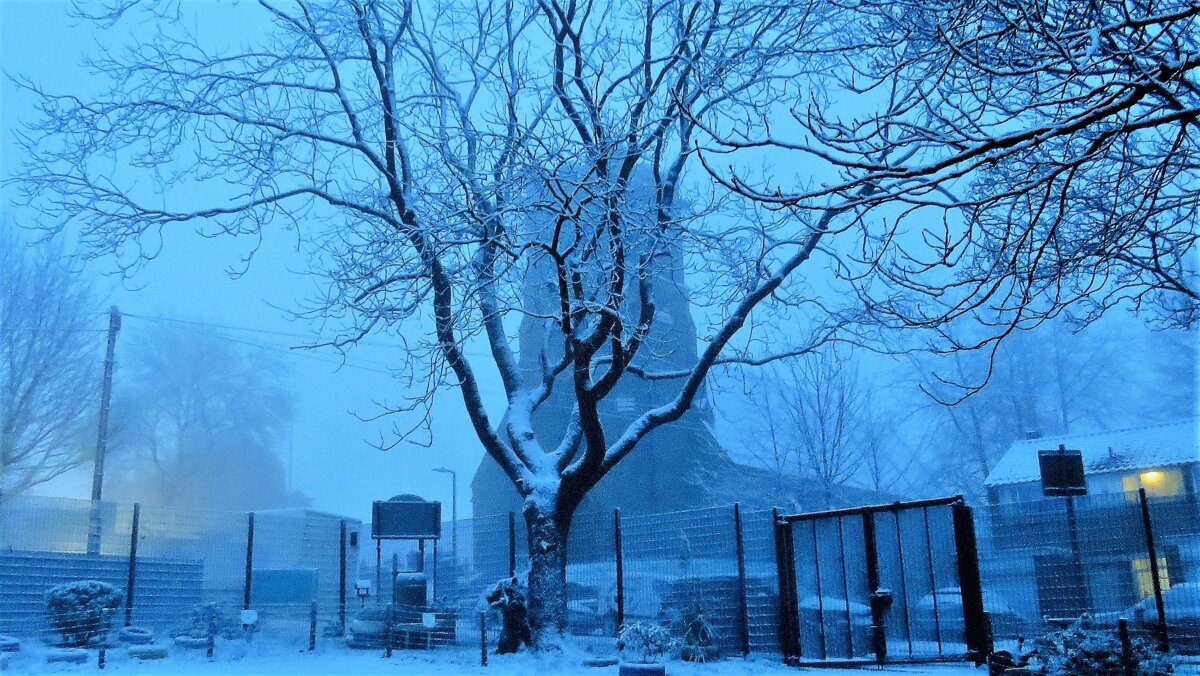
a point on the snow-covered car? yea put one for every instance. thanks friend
(1181, 605)
(948, 624)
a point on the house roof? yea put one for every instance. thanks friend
(1172, 443)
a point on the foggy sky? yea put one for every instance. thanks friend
(334, 462)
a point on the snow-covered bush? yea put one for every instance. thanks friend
(649, 641)
(206, 617)
(1077, 650)
(77, 609)
(698, 637)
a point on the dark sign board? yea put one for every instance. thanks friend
(1062, 472)
(406, 520)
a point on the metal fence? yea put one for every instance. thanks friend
(1102, 557)
(718, 562)
(174, 570)
(1108, 556)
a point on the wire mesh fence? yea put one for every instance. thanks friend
(311, 576)
(69, 568)
(1095, 558)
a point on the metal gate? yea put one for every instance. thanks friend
(884, 583)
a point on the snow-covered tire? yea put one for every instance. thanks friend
(135, 635)
(8, 644)
(68, 655)
(191, 642)
(367, 627)
(148, 652)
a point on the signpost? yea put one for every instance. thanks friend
(404, 517)
(1063, 475)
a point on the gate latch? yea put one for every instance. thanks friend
(881, 600)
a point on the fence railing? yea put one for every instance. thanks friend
(174, 568)
(1106, 556)
(1120, 556)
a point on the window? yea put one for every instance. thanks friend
(1161, 482)
(1145, 583)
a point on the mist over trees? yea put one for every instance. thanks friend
(49, 362)
(199, 423)
(428, 156)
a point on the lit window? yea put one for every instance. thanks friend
(1145, 583)
(1164, 482)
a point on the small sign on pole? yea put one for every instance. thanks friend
(1062, 472)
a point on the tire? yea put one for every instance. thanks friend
(367, 627)
(135, 635)
(191, 642)
(68, 656)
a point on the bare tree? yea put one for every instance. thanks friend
(811, 418)
(49, 363)
(1009, 160)
(437, 157)
(200, 422)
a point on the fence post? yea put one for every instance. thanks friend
(249, 560)
(312, 627)
(743, 610)
(877, 600)
(129, 584)
(342, 578)
(1152, 551)
(979, 640)
(789, 643)
(512, 544)
(620, 559)
(482, 639)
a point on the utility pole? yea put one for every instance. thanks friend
(114, 325)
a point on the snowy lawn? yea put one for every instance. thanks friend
(239, 660)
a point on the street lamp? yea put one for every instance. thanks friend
(453, 511)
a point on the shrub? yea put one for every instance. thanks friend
(204, 615)
(1076, 650)
(699, 638)
(650, 641)
(79, 610)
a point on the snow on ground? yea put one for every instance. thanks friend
(265, 660)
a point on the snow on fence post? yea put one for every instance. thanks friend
(743, 610)
(342, 577)
(249, 559)
(312, 627)
(482, 638)
(512, 544)
(133, 543)
(620, 570)
(1152, 551)
(789, 637)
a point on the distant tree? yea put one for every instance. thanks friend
(809, 418)
(50, 357)
(200, 420)
(1053, 380)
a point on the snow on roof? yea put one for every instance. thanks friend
(1173, 443)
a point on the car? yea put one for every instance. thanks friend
(948, 624)
(1181, 605)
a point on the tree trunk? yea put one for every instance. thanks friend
(548, 531)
